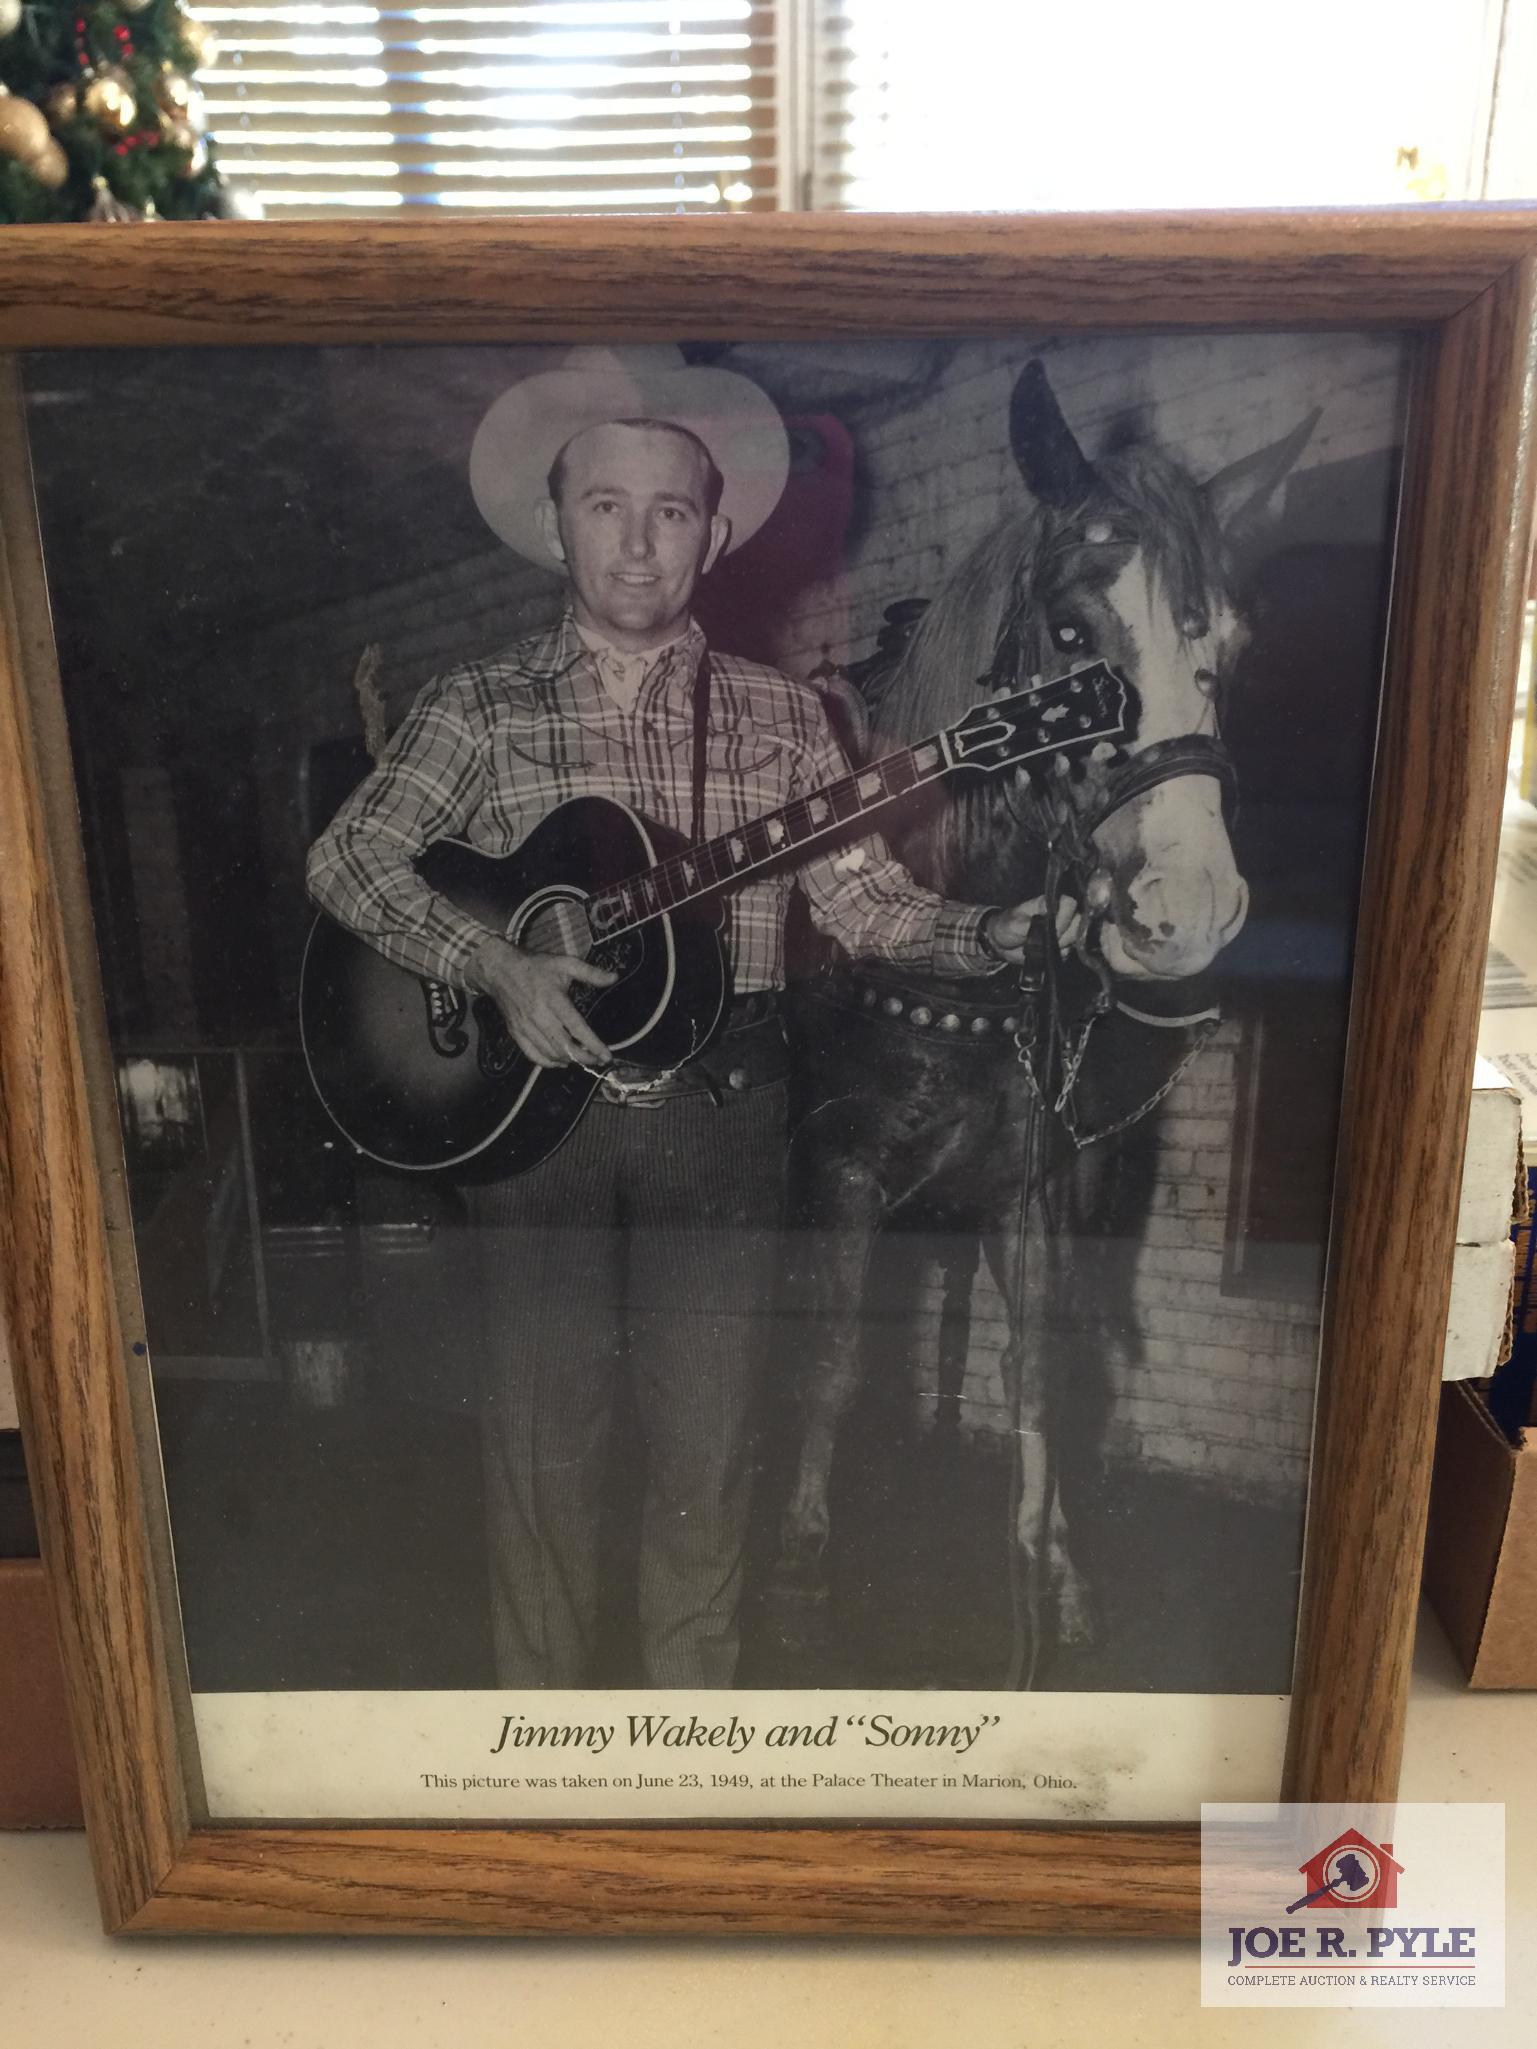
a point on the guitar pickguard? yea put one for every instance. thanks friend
(446, 1012)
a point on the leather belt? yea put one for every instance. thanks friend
(750, 1053)
(923, 1012)
(752, 1008)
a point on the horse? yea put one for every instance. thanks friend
(1018, 1110)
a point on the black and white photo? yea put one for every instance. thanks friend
(727, 966)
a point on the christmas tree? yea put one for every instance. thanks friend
(99, 116)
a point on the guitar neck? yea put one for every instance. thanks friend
(734, 856)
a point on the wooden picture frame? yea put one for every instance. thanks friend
(1461, 281)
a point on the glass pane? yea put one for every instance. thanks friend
(874, 1314)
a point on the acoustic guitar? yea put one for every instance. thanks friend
(422, 1076)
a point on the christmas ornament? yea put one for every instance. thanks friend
(106, 206)
(108, 98)
(23, 131)
(179, 99)
(199, 39)
(61, 104)
(10, 16)
(173, 90)
(24, 136)
(50, 167)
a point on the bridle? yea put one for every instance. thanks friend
(1061, 814)
(1059, 821)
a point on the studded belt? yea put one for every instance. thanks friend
(920, 1011)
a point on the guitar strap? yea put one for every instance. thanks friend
(701, 734)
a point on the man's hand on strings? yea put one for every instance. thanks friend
(529, 989)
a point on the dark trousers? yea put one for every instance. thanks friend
(645, 1245)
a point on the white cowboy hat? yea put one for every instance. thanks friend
(528, 426)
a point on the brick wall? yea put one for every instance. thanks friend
(939, 476)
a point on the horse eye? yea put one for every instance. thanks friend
(1065, 636)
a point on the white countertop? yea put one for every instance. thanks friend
(63, 1983)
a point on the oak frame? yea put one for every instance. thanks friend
(1462, 279)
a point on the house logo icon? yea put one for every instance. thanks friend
(1352, 1871)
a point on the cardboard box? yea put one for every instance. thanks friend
(1481, 1552)
(39, 1787)
(1494, 1196)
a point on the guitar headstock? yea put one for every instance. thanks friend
(1075, 711)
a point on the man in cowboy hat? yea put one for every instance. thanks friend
(650, 1236)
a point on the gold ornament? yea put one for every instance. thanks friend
(61, 103)
(50, 167)
(23, 131)
(179, 99)
(173, 90)
(106, 206)
(109, 100)
(199, 39)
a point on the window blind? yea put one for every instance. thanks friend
(526, 106)
(1121, 103)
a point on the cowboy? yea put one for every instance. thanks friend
(648, 1241)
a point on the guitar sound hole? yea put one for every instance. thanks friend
(557, 927)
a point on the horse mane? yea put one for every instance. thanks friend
(1149, 490)
(937, 677)
(1141, 488)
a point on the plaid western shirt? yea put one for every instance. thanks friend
(489, 749)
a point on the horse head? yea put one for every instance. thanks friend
(1126, 558)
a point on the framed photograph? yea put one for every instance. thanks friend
(738, 971)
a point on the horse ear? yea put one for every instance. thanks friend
(1242, 495)
(1052, 464)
